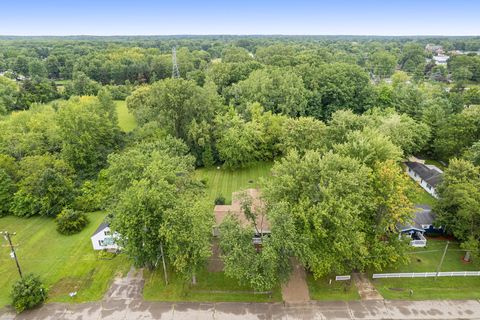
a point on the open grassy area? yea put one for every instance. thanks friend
(210, 287)
(224, 182)
(321, 289)
(419, 195)
(427, 259)
(64, 263)
(126, 120)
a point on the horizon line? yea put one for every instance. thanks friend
(239, 35)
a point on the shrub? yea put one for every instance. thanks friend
(70, 221)
(220, 200)
(28, 292)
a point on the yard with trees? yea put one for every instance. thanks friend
(98, 129)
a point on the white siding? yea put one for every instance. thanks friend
(423, 184)
(99, 239)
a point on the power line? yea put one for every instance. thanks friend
(175, 71)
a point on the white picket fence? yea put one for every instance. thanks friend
(426, 274)
(342, 278)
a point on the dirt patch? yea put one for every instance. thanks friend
(71, 284)
(365, 288)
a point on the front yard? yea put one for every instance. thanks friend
(322, 289)
(65, 263)
(427, 260)
(210, 287)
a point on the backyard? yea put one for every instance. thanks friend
(427, 260)
(65, 263)
(224, 182)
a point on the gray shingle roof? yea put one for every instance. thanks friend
(429, 175)
(102, 226)
(423, 215)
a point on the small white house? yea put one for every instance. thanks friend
(103, 239)
(441, 60)
(428, 176)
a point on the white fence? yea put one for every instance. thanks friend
(426, 274)
(342, 278)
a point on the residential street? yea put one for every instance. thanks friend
(137, 309)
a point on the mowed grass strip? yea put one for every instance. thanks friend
(322, 289)
(210, 287)
(427, 260)
(223, 181)
(126, 120)
(65, 263)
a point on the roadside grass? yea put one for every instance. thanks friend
(210, 287)
(435, 163)
(126, 120)
(64, 263)
(338, 290)
(419, 196)
(427, 260)
(223, 181)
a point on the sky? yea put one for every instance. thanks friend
(295, 17)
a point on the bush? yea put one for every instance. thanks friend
(70, 221)
(220, 200)
(28, 292)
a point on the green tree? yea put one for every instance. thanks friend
(70, 221)
(187, 229)
(302, 134)
(89, 132)
(458, 208)
(278, 90)
(28, 292)
(45, 186)
(382, 63)
(9, 92)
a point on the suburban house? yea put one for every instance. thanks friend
(257, 207)
(421, 224)
(103, 239)
(436, 49)
(441, 59)
(428, 176)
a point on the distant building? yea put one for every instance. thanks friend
(433, 48)
(441, 60)
(103, 239)
(428, 176)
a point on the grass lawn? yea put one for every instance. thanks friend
(419, 195)
(210, 287)
(435, 163)
(64, 263)
(224, 182)
(126, 120)
(338, 290)
(429, 288)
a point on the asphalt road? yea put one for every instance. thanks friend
(138, 309)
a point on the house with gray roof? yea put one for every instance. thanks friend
(427, 176)
(422, 223)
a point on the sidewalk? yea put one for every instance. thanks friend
(365, 310)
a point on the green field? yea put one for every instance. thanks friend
(224, 182)
(424, 260)
(322, 289)
(126, 120)
(210, 287)
(64, 263)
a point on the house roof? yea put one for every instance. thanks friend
(101, 227)
(423, 215)
(221, 211)
(429, 173)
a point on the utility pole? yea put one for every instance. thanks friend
(441, 261)
(6, 235)
(175, 71)
(164, 265)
